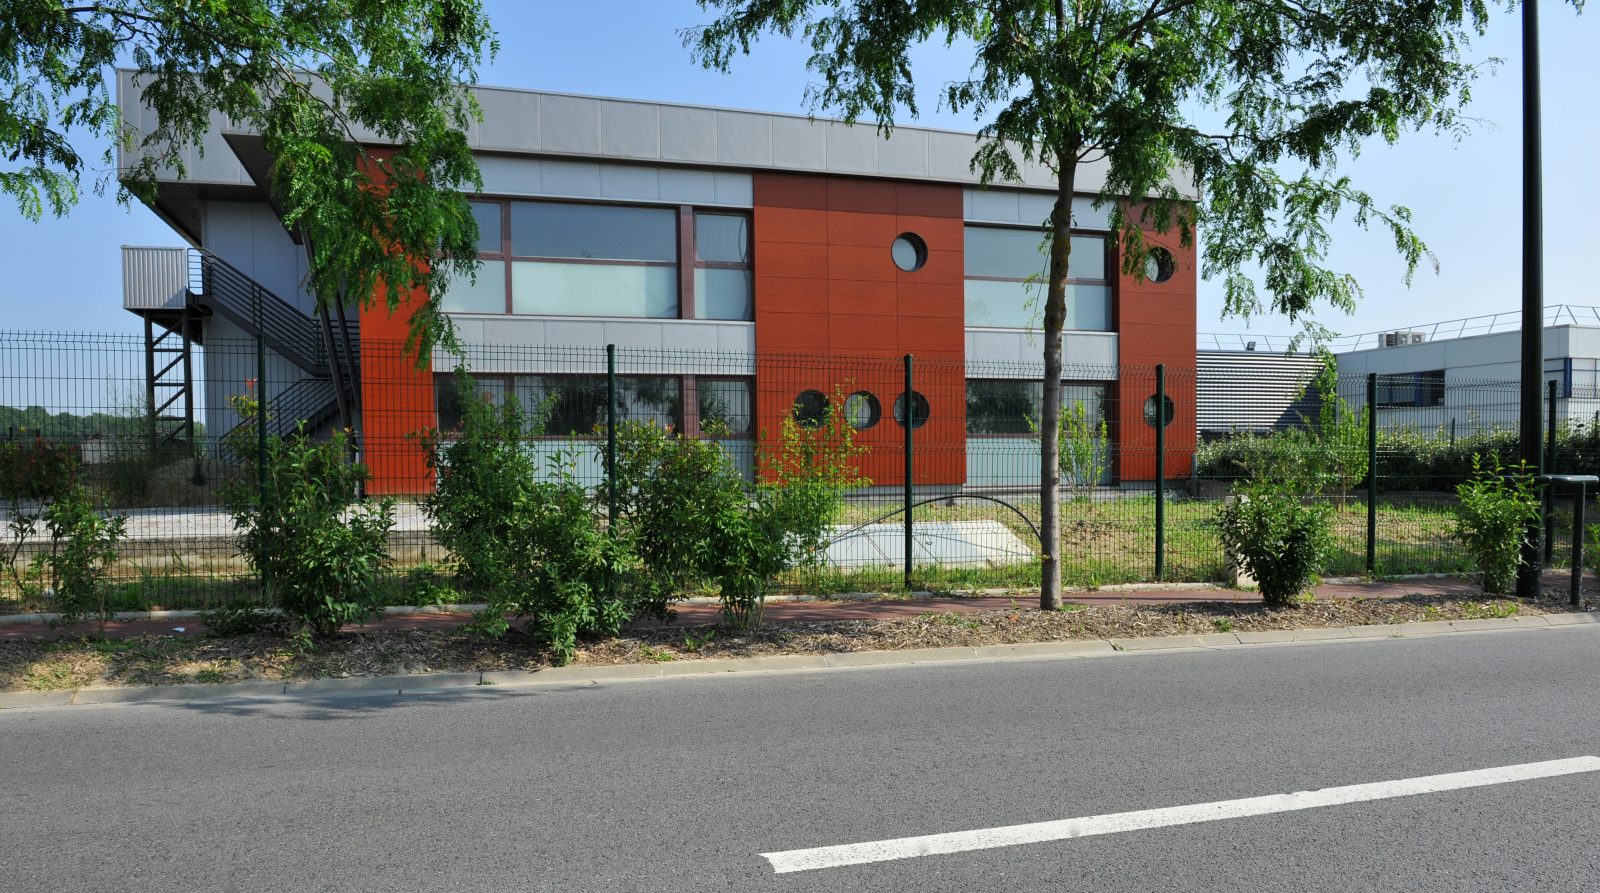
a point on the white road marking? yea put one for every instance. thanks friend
(1118, 822)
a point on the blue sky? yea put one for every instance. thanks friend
(64, 275)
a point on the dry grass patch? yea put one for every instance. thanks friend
(163, 660)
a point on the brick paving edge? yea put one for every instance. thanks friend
(602, 674)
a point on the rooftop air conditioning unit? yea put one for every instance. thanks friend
(1399, 339)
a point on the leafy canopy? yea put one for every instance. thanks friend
(313, 77)
(1252, 100)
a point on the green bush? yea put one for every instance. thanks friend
(37, 470)
(1280, 538)
(1497, 506)
(320, 551)
(529, 548)
(83, 543)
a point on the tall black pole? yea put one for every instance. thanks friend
(910, 417)
(1532, 283)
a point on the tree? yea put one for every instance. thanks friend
(308, 77)
(1251, 100)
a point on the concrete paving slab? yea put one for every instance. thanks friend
(1160, 643)
(350, 684)
(1046, 649)
(1498, 623)
(907, 656)
(1573, 619)
(431, 681)
(1378, 631)
(1425, 628)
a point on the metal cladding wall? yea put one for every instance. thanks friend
(1155, 323)
(826, 286)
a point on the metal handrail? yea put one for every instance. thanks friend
(1465, 327)
(289, 331)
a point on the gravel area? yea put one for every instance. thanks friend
(156, 660)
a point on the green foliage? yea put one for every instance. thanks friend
(1085, 449)
(302, 75)
(229, 621)
(1281, 539)
(37, 469)
(83, 544)
(1497, 506)
(529, 548)
(1325, 453)
(320, 552)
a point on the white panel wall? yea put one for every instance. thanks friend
(1090, 356)
(727, 346)
(249, 236)
(229, 361)
(1022, 208)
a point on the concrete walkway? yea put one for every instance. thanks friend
(804, 609)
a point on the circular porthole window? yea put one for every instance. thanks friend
(909, 252)
(810, 407)
(862, 410)
(1150, 411)
(1159, 265)
(919, 410)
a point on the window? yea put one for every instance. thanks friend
(862, 410)
(810, 408)
(919, 410)
(722, 280)
(571, 405)
(572, 260)
(1000, 263)
(725, 406)
(1006, 406)
(1412, 389)
(909, 252)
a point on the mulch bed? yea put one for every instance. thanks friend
(158, 660)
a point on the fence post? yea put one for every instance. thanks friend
(909, 417)
(261, 438)
(1161, 471)
(1372, 472)
(611, 435)
(1550, 468)
(1577, 541)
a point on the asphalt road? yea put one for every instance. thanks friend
(681, 784)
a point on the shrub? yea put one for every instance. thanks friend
(1497, 506)
(319, 551)
(1085, 451)
(36, 471)
(531, 549)
(83, 543)
(1280, 538)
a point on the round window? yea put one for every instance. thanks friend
(862, 410)
(909, 252)
(1159, 265)
(810, 407)
(1150, 411)
(919, 410)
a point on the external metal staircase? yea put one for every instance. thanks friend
(177, 291)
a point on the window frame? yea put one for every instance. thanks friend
(1104, 412)
(689, 247)
(688, 386)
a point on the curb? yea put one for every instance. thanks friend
(599, 675)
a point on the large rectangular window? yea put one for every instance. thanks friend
(1007, 274)
(1011, 406)
(726, 408)
(1412, 389)
(571, 405)
(569, 259)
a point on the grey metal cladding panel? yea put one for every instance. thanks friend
(569, 124)
(510, 176)
(510, 120)
(904, 154)
(630, 182)
(735, 189)
(688, 134)
(950, 156)
(744, 139)
(1088, 355)
(852, 150)
(630, 130)
(572, 178)
(993, 205)
(688, 186)
(798, 145)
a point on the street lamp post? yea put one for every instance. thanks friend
(1532, 283)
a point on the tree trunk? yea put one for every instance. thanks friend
(1055, 319)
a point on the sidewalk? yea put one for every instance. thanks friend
(820, 609)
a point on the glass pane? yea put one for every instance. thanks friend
(724, 406)
(447, 392)
(722, 294)
(551, 229)
(575, 405)
(1021, 253)
(594, 290)
(486, 295)
(1015, 305)
(722, 237)
(1001, 407)
(1088, 260)
(488, 217)
(1089, 308)
(1014, 253)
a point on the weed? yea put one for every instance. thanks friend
(1223, 624)
(1488, 610)
(659, 655)
(693, 643)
